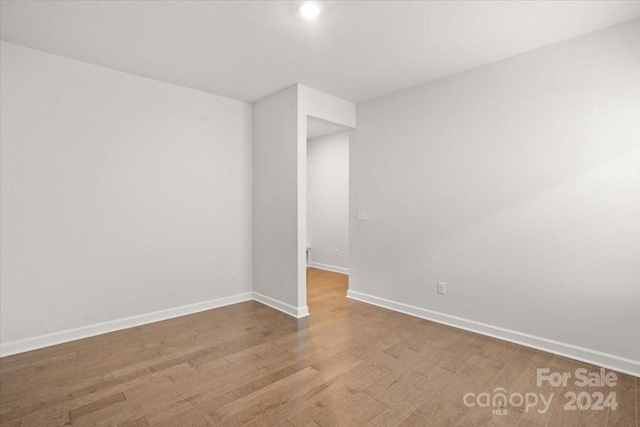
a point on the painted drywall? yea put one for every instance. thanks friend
(328, 201)
(121, 196)
(275, 206)
(517, 184)
(280, 191)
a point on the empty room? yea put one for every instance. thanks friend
(319, 213)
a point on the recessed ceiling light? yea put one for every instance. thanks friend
(309, 9)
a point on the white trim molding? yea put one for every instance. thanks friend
(328, 267)
(34, 343)
(297, 312)
(594, 357)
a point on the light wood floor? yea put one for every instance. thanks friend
(348, 364)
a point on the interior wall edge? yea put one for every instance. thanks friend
(297, 312)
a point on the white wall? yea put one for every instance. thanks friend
(120, 195)
(280, 191)
(328, 201)
(517, 184)
(275, 200)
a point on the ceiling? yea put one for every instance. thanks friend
(318, 127)
(246, 50)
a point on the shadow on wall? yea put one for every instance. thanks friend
(588, 227)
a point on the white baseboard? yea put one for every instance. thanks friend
(297, 312)
(328, 267)
(28, 344)
(594, 357)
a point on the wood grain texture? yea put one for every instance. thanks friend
(348, 364)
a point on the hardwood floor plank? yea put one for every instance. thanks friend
(560, 416)
(140, 422)
(254, 406)
(95, 406)
(625, 414)
(348, 364)
(560, 365)
(593, 417)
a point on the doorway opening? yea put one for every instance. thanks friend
(327, 245)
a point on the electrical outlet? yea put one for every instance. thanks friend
(232, 275)
(442, 288)
(362, 215)
(337, 253)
